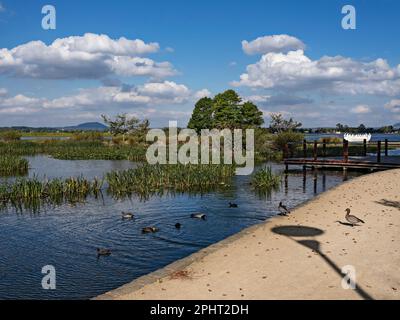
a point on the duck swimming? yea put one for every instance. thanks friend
(103, 252)
(178, 225)
(232, 205)
(198, 216)
(127, 215)
(149, 230)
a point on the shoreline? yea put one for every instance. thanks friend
(295, 257)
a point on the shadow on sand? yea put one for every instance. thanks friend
(389, 203)
(293, 232)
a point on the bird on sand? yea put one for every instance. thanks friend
(103, 252)
(127, 215)
(283, 209)
(149, 230)
(353, 220)
(198, 216)
(232, 205)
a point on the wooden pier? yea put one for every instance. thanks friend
(376, 158)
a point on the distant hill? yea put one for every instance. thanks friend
(87, 126)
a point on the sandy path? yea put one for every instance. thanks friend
(275, 261)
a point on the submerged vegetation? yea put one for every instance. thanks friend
(154, 178)
(13, 165)
(265, 180)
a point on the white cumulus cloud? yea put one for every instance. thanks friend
(90, 56)
(393, 105)
(202, 94)
(294, 70)
(274, 43)
(362, 108)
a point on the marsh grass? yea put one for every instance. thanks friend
(32, 193)
(13, 165)
(74, 150)
(178, 177)
(265, 180)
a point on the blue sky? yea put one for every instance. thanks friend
(321, 74)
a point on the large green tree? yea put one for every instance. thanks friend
(226, 110)
(202, 115)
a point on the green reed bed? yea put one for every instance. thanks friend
(13, 165)
(153, 178)
(30, 193)
(74, 150)
(265, 179)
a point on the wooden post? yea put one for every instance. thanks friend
(345, 150)
(386, 147)
(324, 149)
(365, 147)
(378, 154)
(304, 148)
(315, 151)
(285, 151)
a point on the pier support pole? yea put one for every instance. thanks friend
(365, 147)
(345, 150)
(304, 148)
(324, 149)
(378, 152)
(315, 151)
(386, 147)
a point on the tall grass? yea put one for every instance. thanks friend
(265, 179)
(31, 193)
(13, 165)
(74, 150)
(154, 178)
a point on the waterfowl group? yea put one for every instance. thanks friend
(284, 211)
(353, 220)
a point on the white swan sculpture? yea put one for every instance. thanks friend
(357, 137)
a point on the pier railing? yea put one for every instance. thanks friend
(324, 149)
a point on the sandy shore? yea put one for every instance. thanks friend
(296, 257)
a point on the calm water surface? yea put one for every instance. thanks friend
(67, 236)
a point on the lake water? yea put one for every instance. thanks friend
(375, 136)
(66, 236)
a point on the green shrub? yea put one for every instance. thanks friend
(292, 140)
(10, 135)
(330, 140)
(87, 136)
